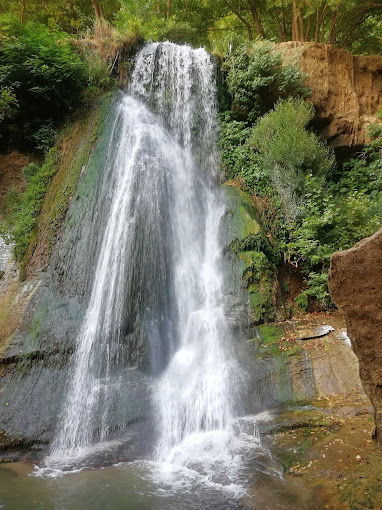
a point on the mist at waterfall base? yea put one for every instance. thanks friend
(155, 322)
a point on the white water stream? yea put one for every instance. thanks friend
(161, 249)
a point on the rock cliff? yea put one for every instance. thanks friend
(346, 89)
(356, 287)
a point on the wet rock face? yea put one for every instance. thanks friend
(346, 89)
(356, 287)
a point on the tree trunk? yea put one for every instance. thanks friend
(97, 9)
(295, 28)
(259, 26)
(285, 26)
(317, 31)
(245, 23)
(333, 24)
(320, 21)
(23, 11)
(168, 8)
(300, 25)
(297, 23)
(307, 33)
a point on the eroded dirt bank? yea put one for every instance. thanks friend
(346, 89)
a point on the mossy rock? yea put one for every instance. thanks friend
(258, 272)
(74, 147)
(270, 333)
(243, 214)
(261, 301)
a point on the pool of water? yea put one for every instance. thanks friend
(140, 486)
(125, 486)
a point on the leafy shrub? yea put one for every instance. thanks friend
(257, 243)
(330, 222)
(44, 137)
(307, 207)
(375, 130)
(237, 156)
(8, 102)
(21, 222)
(30, 170)
(287, 151)
(317, 289)
(257, 78)
(46, 76)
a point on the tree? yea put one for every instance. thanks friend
(71, 16)
(326, 21)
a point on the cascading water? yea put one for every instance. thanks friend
(193, 393)
(158, 283)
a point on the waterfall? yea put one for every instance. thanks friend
(158, 285)
(193, 393)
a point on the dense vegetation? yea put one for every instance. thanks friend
(308, 205)
(44, 79)
(23, 209)
(354, 24)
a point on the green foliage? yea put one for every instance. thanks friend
(319, 209)
(21, 222)
(98, 71)
(375, 131)
(366, 39)
(257, 78)
(72, 17)
(287, 151)
(219, 24)
(329, 222)
(30, 170)
(44, 137)
(282, 140)
(46, 77)
(238, 158)
(8, 102)
(363, 174)
(259, 243)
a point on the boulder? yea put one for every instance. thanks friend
(355, 283)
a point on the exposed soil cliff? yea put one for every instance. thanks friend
(356, 287)
(346, 89)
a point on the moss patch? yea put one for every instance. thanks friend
(75, 146)
(243, 214)
(270, 333)
(34, 218)
(255, 253)
(8, 317)
(274, 343)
